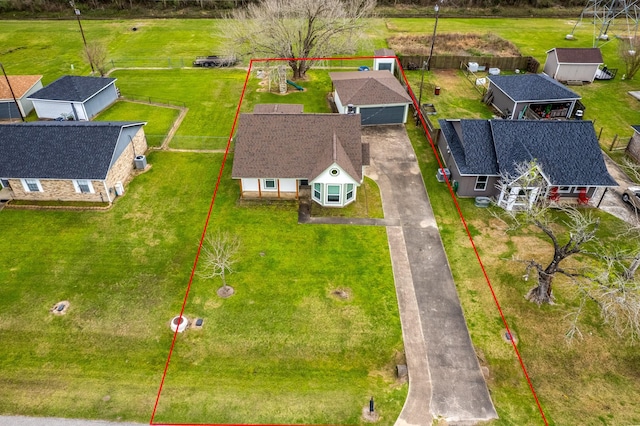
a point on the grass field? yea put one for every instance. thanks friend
(125, 271)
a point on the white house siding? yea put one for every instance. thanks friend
(336, 99)
(51, 109)
(342, 179)
(384, 64)
(288, 185)
(26, 104)
(101, 100)
(249, 184)
(551, 65)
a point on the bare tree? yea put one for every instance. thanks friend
(629, 55)
(96, 54)
(298, 29)
(542, 213)
(219, 254)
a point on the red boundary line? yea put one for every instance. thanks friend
(213, 198)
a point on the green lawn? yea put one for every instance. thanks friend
(159, 119)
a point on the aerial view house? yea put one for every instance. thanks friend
(20, 86)
(377, 96)
(75, 97)
(478, 152)
(532, 96)
(384, 59)
(69, 160)
(277, 153)
(573, 64)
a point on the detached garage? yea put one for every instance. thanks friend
(377, 96)
(75, 97)
(22, 86)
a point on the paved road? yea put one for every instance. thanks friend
(445, 379)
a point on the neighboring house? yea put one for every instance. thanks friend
(573, 64)
(478, 152)
(69, 160)
(377, 96)
(22, 86)
(75, 97)
(385, 59)
(276, 154)
(633, 148)
(532, 96)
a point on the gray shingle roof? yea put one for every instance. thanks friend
(297, 146)
(474, 152)
(384, 52)
(567, 151)
(59, 149)
(588, 55)
(369, 88)
(72, 88)
(532, 87)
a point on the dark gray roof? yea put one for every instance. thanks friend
(369, 88)
(59, 149)
(532, 87)
(72, 88)
(567, 151)
(636, 128)
(278, 109)
(578, 55)
(297, 146)
(473, 149)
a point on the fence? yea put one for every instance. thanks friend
(527, 63)
(151, 62)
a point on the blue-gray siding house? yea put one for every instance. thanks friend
(531, 96)
(479, 152)
(75, 97)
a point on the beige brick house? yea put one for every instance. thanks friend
(69, 160)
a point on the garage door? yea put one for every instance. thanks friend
(382, 115)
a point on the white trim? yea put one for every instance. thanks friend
(76, 186)
(484, 184)
(26, 186)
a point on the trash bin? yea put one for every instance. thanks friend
(579, 114)
(436, 91)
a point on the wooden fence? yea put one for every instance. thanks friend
(525, 63)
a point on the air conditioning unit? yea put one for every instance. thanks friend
(441, 173)
(140, 162)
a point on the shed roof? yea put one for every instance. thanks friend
(369, 88)
(578, 55)
(297, 146)
(73, 88)
(59, 149)
(568, 151)
(384, 52)
(532, 87)
(278, 109)
(20, 84)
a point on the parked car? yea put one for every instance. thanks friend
(632, 196)
(214, 61)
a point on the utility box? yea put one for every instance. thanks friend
(140, 162)
(440, 174)
(473, 66)
(119, 188)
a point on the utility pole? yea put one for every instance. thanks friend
(12, 94)
(427, 64)
(84, 40)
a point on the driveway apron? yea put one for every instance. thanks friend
(445, 379)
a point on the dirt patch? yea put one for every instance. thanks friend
(489, 45)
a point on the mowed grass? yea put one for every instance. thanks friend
(125, 273)
(159, 119)
(592, 381)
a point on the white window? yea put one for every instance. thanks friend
(269, 184)
(333, 194)
(317, 191)
(349, 194)
(481, 183)
(31, 185)
(83, 186)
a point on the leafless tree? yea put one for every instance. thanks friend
(630, 56)
(297, 29)
(580, 228)
(96, 54)
(219, 254)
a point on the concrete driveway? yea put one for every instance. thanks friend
(612, 201)
(445, 379)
